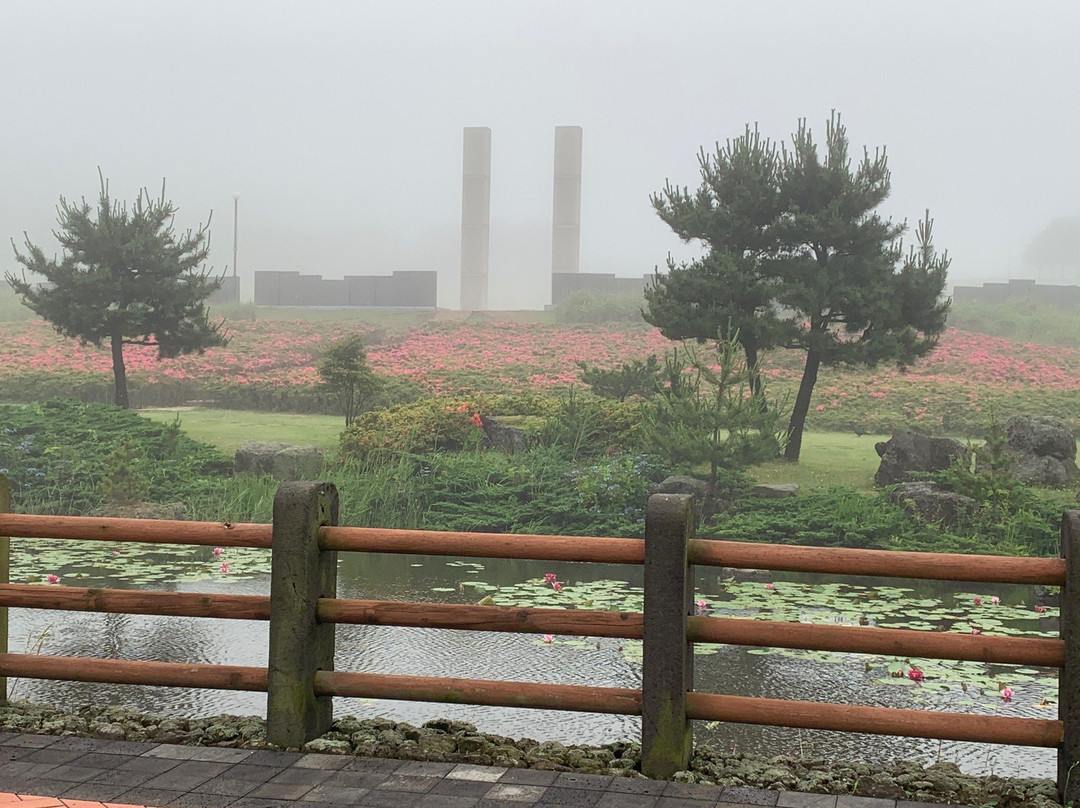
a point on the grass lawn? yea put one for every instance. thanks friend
(828, 458)
(227, 429)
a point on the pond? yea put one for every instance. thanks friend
(813, 676)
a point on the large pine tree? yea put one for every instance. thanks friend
(125, 278)
(797, 254)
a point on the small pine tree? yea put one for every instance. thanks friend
(344, 370)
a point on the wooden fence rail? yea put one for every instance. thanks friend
(303, 609)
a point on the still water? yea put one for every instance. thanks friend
(605, 662)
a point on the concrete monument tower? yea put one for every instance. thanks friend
(475, 218)
(566, 213)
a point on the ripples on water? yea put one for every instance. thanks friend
(492, 656)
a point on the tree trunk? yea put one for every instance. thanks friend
(751, 349)
(802, 406)
(120, 394)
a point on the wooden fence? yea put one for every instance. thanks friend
(303, 609)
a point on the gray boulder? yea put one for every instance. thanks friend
(504, 438)
(775, 490)
(281, 460)
(684, 484)
(906, 452)
(930, 504)
(1041, 450)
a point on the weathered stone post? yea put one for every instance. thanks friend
(300, 645)
(667, 671)
(1069, 681)
(5, 571)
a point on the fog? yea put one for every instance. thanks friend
(339, 124)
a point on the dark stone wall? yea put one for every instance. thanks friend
(564, 284)
(1065, 297)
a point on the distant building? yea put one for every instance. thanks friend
(404, 289)
(1065, 297)
(564, 284)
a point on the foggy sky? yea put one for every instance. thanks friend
(340, 123)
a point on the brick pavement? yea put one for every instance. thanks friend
(47, 771)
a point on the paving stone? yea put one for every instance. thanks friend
(414, 785)
(693, 791)
(317, 761)
(171, 751)
(74, 774)
(22, 768)
(750, 796)
(222, 754)
(623, 800)
(910, 804)
(687, 802)
(263, 802)
(792, 799)
(486, 803)
(291, 776)
(147, 796)
(227, 785)
(529, 777)
(147, 764)
(253, 774)
(848, 801)
(98, 792)
(120, 777)
(187, 775)
(373, 765)
(52, 755)
(263, 757)
(375, 799)
(280, 791)
(124, 747)
(7, 736)
(461, 788)
(444, 801)
(427, 768)
(514, 792)
(337, 795)
(578, 797)
(83, 744)
(593, 782)
(637, 785)
(350, 779)
(197, 800)
(31, 740)
(467, 771)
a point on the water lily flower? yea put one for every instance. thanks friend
(769, 586)
(1040, 609)
(115, 553)
(1006, 694)
(52, 579)
(995, 600)
(976, 631)
(701, 604)
(224, 566)
(218, 551)
(549, 638)
(549, 577)
(915, 675)
(557, 586)
(978, 601)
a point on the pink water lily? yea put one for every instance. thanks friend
(557, 586)
(1007, 694)
(1040, 609)
(978, 601)
(915, 675)
(769, 586)
(52, 579)
(976, 631)
(115, 553)
(549, 577)
(224, 566)
(549, 638)
(218, 551)
(995, 600)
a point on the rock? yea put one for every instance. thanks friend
(775, 490)
(281, 460)
(930, 504)
(323, 746)
(1041, 450)
(109, 732)
(906, 452)
(684, 484)
(1041, 435)
(504, 438)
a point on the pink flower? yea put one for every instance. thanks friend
(1006, 694)
(915, 675)
(702, 604)
(976, 631)
(549, 577)
(218, 551)
(549, 638)
(115, 553)
(995, 600)
(978, 601)
(1040, 609)
(820, 408)
(556, 586)
(224, 566)
(477, 420)
(52, 579)
(769, 586)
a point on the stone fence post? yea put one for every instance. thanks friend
(300, 645)
(667, 669)
(1069, 681)
(5, 572)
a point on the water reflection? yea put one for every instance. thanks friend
(504, 656)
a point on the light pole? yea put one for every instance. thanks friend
(235, 228)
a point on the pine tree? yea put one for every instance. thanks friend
(125, 278)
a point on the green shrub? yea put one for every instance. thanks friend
(420, 426)
(585, 307)
(59, 457)
(585, 425)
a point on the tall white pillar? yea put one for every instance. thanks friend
(475, 218)
(566, 212)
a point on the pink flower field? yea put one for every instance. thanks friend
(966, 371)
